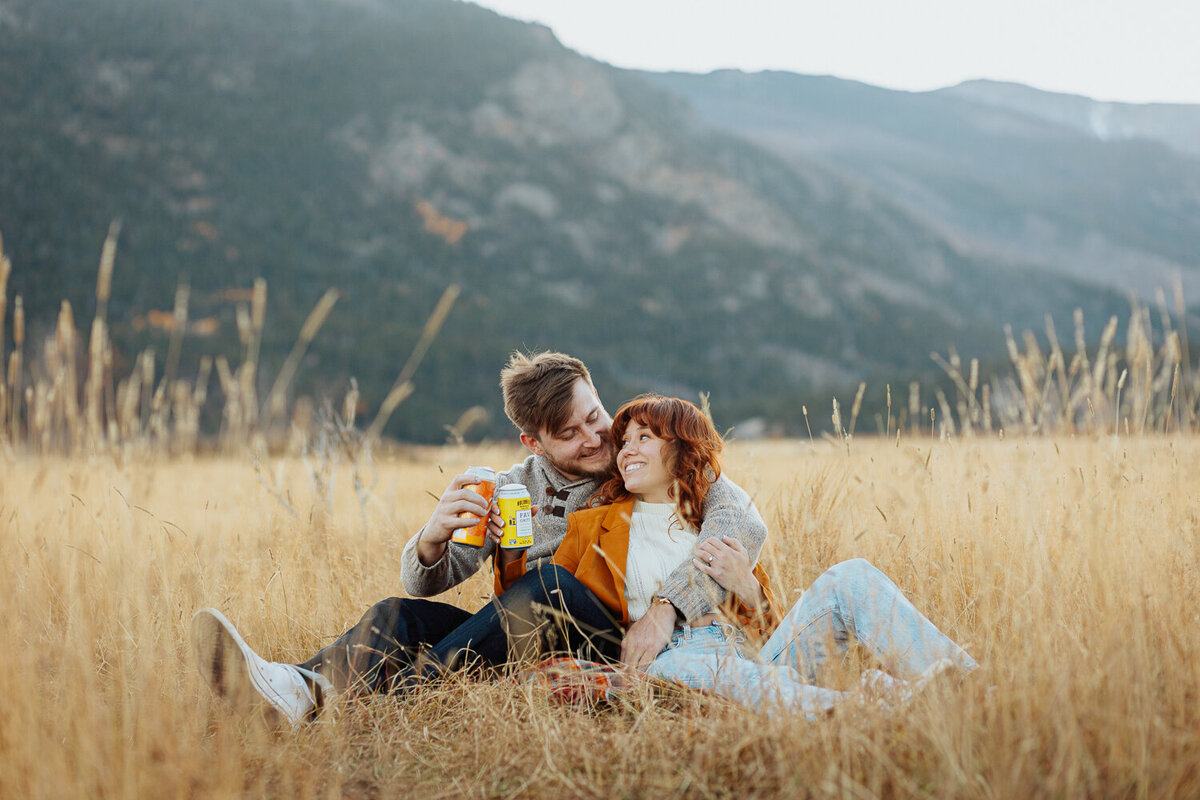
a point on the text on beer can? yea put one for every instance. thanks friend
(516, 507)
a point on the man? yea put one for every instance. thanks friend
(551, 400)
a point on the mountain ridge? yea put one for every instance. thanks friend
(391, 148)
(1010, 181)
(1174, 124)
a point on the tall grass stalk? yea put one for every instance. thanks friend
(402, 387)
(1045, 393)
(1047, 396)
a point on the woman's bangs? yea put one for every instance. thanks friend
(644, 414)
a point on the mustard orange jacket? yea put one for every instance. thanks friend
(596, 549)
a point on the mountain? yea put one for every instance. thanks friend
(1102, 193)
(389, 148)
(1175, 125)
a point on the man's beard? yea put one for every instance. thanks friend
(590, 471)
(599, 475)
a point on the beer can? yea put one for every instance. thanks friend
(485, 487)
(516, 507)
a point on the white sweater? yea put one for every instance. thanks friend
(658, 543)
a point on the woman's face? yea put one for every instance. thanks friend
(641, 461)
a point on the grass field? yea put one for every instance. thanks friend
(1067, 567)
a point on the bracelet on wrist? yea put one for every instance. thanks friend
(659, 600)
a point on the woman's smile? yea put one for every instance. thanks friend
(642, 462)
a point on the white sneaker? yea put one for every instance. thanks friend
(238, 674)
(887, 691)
(941, 669)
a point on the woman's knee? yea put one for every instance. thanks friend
(845, 576)
(853, 569)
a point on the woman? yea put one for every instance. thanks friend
(645, 525)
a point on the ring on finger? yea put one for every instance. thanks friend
(710, 558)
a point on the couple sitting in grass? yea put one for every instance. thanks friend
(643, 554)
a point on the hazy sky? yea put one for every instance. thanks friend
(1129, 50)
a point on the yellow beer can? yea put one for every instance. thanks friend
(516, 507)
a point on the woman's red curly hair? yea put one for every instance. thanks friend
(692, 451)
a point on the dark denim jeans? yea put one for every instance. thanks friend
(402, 641)
(388, 638)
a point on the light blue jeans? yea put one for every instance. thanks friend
(852, 599)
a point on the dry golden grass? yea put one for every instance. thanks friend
(1066, 566)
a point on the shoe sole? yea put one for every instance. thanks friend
(231, 668)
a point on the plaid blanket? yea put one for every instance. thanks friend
(575, 681)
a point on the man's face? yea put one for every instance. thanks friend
(583, 446)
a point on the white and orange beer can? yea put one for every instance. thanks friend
(485, 487)
(516, 507)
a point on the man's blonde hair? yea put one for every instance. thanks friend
(538, 389)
